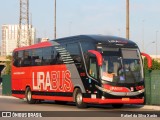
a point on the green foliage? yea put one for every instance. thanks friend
(8, 65)
(155, 65)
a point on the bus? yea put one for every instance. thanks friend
(93, 69)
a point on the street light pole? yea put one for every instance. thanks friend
(148, 45)
(55, 34)
(127, 19)
(156, 43)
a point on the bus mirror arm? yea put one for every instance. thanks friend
(98, 56)
(149, 59)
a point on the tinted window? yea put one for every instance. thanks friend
(15, 59)
(74, 50)
(87, 46)
(18, 57)
(36, 57)
(46, 57)
(26, 59)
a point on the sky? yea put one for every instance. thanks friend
(77, 17)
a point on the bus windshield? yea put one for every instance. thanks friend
(121, 66)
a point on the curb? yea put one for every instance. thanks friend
(150, 107)
(7, 97)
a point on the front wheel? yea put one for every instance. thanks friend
(28, 94)
(79, 99)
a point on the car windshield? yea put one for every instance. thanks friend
(121, 66)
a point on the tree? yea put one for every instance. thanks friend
(8, 65)
(155, 65)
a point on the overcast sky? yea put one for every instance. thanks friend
(106, 17)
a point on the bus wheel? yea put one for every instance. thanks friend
(117, 105)
(79, 99)
(28, 94)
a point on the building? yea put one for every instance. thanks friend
(38, 40)
(44, 39)
(10, 38)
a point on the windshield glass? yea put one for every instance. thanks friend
(121, 66)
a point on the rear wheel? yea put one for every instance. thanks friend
(29, 98)
(78, 97)
(117, 105)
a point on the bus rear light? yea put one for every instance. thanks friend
(139, 87)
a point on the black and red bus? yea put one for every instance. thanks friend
(81, 69)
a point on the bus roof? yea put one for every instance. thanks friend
(86, 38)
(97, 39)
(42, 44)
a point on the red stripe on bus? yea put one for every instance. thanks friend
(115, 88)
(21, 96)
(110, 101)
(39, 45)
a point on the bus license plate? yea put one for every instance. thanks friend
(125, 99)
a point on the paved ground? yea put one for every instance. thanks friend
(9, 103)
(145, 107)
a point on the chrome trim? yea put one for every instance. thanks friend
(120, 93)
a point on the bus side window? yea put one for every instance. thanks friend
(58, 59)
(36, 57)
(15, 59)
(19, 58)
(74, 50)
(26, 59)
(46, 57)
(93, 67)
(53, 56)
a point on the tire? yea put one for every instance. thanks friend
(28, 94)
(117, 105)
(78, 97)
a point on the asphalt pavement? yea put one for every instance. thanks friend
(149, 107)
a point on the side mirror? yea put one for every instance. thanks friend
(149, 59)
(98, 56)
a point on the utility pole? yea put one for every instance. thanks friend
(143, 36)
(24, 37)
(127, 19)
(55, 34)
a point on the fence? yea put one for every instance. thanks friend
(6, 85)
(152, 86)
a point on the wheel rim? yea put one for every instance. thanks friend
(79, 98)
(29, 96)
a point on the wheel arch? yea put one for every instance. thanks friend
(76, 87)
